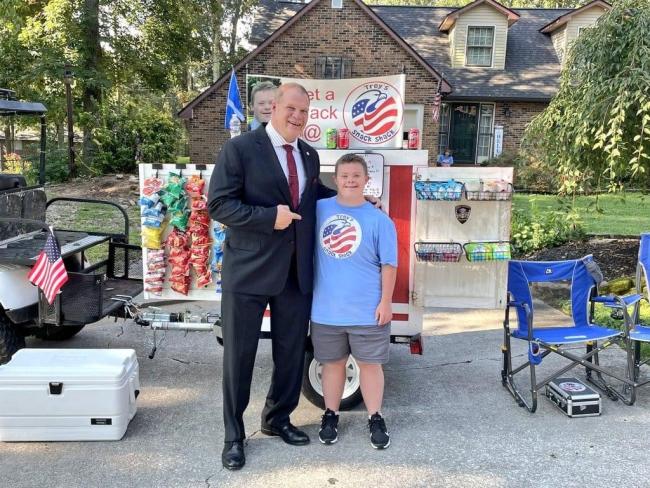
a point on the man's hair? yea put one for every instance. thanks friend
(261, 86)
(351, 158)
(287, 86)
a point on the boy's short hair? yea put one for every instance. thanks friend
(261, 86)
(351, 158)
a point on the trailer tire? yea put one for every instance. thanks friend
(312, 387)
(58, 333)
(10, 339)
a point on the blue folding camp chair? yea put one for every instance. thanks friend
(542, 341)
(637, 332)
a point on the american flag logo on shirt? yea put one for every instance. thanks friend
(375, 112)
(340, 236)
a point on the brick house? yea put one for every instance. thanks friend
(497, 67)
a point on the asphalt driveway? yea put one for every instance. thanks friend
(452, 425)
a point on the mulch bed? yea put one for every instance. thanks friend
(616, 257)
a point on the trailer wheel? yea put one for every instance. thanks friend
(312, 387)
(58, 333)
(10, 339)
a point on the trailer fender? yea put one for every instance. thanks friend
(15, 290)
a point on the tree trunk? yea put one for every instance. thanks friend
(91, 63)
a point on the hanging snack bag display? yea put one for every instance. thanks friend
(178, 257)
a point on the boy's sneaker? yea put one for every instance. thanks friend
(379, 436)
(328, 433)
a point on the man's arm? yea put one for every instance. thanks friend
(225, 192)
(384, 311)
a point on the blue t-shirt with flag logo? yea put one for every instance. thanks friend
(352, 243)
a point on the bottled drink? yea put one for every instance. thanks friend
(235, 126)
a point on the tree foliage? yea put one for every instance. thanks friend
(120, 51)
(596, 131)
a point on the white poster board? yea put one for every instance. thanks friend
(371, 109)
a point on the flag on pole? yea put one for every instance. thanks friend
(49, 272)
(437, 101)
(233, 104)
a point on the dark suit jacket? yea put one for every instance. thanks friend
(246, 186)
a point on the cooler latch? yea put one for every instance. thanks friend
(56, 387)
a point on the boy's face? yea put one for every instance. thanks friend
(262, 105)
(351, 179)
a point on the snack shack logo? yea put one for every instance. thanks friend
(373, 112)
(340, 236)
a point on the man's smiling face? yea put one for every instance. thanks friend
(290, 112)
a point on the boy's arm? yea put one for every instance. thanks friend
(384, 311)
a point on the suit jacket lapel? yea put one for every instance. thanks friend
(307, 159)
(267, 152)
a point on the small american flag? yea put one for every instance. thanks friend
(437, 99)
(49, 272)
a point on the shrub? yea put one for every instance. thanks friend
(530, 173)
(135, 133)
(532, 231)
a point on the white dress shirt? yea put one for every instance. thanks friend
(278, 141)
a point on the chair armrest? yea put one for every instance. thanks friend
(615, 301)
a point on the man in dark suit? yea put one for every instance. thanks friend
(264, 189)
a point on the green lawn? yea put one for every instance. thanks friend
(621, 214)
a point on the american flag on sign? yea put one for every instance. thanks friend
(49, 272)
(437, 99)
(339, 238)
(375, 112)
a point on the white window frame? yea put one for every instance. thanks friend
(479, 159)
(494, 39)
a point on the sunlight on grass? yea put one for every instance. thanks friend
(621, 214)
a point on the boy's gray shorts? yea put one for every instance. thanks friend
(368, 344)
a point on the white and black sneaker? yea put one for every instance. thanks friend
(379, 436)
(328, 433)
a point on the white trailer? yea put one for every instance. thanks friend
(421, 282)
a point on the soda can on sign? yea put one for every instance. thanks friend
(330, 138)
(343, 139)
(414, 139)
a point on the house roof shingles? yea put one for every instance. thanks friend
(532, 69)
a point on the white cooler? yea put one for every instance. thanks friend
(68, 394)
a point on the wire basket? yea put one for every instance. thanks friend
(497, 190)
(438, 190)
(438, 252)
(488, 251)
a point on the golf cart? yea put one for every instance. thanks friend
(103, 269)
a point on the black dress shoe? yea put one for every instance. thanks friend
(232, 456)
(289, 434)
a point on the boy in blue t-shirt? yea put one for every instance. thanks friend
(355, 271)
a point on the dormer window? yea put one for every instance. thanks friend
(480, 43)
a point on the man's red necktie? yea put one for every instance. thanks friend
(294, 188)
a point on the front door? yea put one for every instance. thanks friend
(464, 125)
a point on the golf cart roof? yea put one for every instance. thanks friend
(15, 107)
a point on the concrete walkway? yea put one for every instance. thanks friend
(452, 425)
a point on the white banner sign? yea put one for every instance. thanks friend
(371, 109)
(498, 140)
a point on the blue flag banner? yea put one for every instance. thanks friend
(233, 105)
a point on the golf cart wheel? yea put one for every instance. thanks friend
(312, 386)
(58, 333)
(10, 339)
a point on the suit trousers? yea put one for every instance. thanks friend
(241, 316)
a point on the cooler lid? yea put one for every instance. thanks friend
(105, 365)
